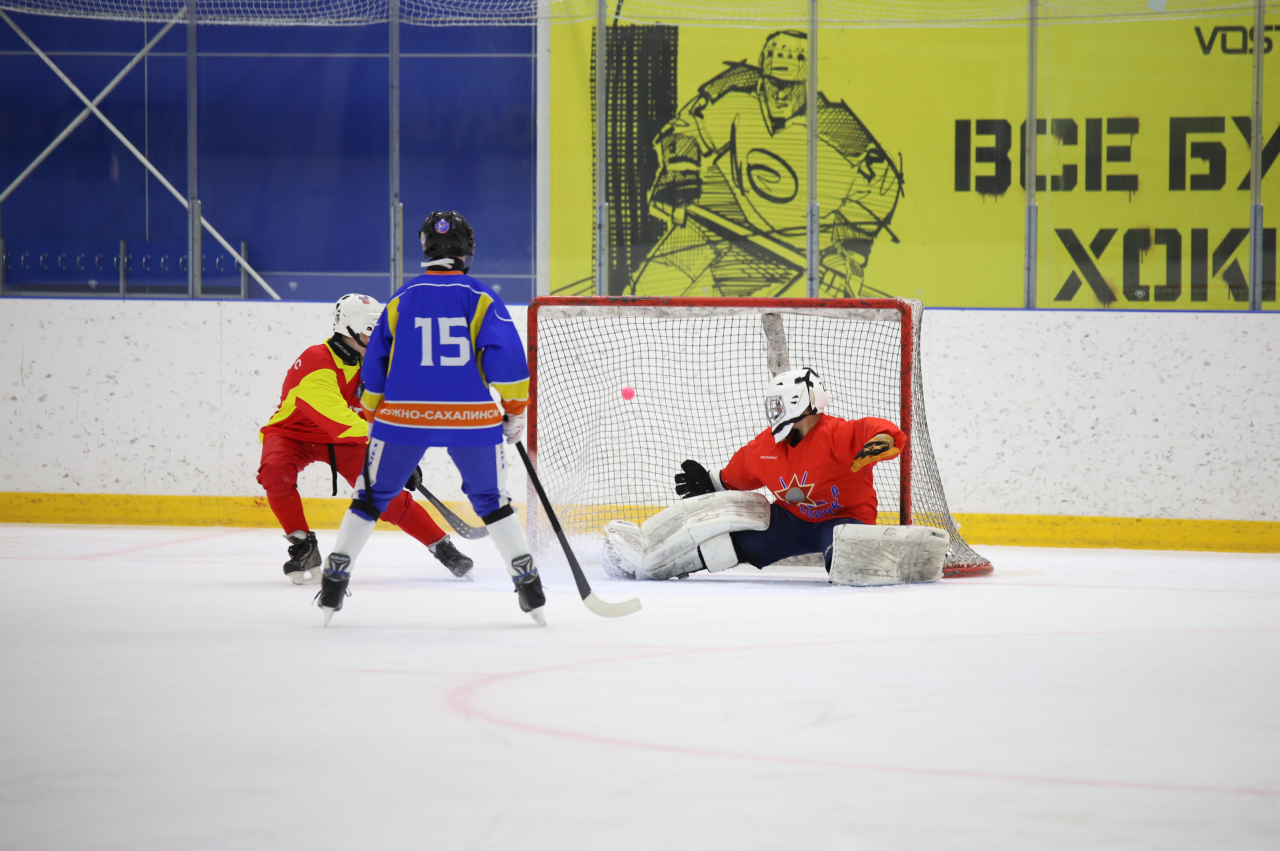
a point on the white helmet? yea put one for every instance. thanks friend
(790, 397)
(356, 314)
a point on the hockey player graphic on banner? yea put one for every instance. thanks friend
(1144, 190)
(731, 186)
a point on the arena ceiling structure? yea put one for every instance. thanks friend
(815, 15)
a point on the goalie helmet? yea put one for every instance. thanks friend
(355, 314)
(790, 397)
(446, 233)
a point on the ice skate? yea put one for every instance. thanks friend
(448, 555)
(303, 566)
(529, 589)
(333, 588)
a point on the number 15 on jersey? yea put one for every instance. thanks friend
(447, 339)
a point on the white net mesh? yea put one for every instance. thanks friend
(261, 12)
(831, 13)
(697, 374)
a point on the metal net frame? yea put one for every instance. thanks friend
(624, 389)
(763, 13)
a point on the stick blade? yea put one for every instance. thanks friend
(463, 528)
(611, 610)
(471, 533)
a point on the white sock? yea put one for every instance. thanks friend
(353, 534)
(508, 536)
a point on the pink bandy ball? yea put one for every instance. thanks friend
(628, 393)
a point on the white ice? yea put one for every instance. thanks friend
(167, 688)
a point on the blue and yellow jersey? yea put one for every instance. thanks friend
(443, 341)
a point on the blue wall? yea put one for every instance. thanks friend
(293, 151)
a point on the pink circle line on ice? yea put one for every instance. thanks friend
(463, 700)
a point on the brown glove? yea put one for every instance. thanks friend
(879, 448)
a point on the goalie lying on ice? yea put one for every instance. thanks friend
(819, 469)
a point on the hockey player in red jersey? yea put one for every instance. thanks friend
(817, 466)
(320, 419)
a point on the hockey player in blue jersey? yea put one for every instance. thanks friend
(443, 348)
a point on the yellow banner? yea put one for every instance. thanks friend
(1143, 163)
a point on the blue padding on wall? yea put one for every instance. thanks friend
(302, 286)
(294, 149)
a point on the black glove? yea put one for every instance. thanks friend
(415, 480)
(694, 481)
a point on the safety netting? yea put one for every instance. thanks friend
(829, 13)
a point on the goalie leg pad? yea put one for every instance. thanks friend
(887, 555)
(667, 544)
(623, 549)
(718, 553)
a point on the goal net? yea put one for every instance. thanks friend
(694, 372)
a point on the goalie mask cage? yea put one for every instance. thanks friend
(698, 368)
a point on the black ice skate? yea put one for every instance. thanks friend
(302, 568)
(333, 589)
(447, 554)
(529, 588)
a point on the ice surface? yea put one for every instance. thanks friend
(168, 688)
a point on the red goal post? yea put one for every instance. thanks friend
(694, 370)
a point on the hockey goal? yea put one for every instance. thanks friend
(625, 388)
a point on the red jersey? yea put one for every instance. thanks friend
(320, 400)
(813, 479)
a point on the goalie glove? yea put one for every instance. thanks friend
(415, 480)
(512, 427)
(879, 448)
(694, 481)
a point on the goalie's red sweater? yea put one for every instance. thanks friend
(814, 479)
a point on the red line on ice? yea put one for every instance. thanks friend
(169, 543)
(462, 700)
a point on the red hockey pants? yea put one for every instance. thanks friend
(284, 457)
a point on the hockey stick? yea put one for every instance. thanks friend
(459, 525)
(779, 250)
(782, 251)
(589, 599)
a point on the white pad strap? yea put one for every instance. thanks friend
(887, 555)
(660, 548)
(718, 553)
